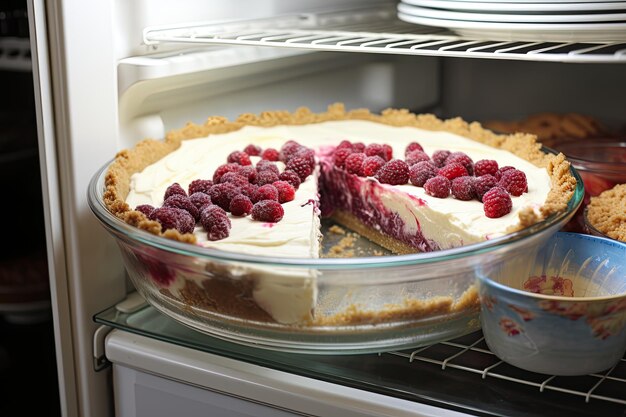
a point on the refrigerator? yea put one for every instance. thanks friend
(109, 73)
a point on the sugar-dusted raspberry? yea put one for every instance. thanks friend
(200, 200)
(221, 194)
(265, 165)
(223, 169)
(248, 172)
(300, 166)
(146, 209)
(483, 184)
(413, 146)
(438, 186)
(286, 192)
(288, 149)
(439, 157)
(266, 192)
(463, 188)
(173, 189)
(514, 182)
(253, 150)
(307, 154)
(497, 202)
(291, 177)
(371, 165)
(358, 147)
(216, 222)
(421, 172)
(354, 163)
(485, 166)
(249, 190)
(182, 202)
(502, 170)
(416, 156)
(375, 149)
(270, 154)
(340, 155)
(234, 178)
(266, 177)
(463, 159)
(387, 152)
(394, 172)
(240, 205)
(173, 218)
(200, 186)
(345, 144)
(268, 211)
(452, 171)
(239, 157)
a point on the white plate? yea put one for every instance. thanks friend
(510, 18)
(558, 32)
(485, 5)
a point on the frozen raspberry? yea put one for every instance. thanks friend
(485, 166)
(514, 182)
(264, 165)
(223, 169)
(497, 202)
(438, 186)
(463, 188)
(452, 171)
(200, 200)
(221, 194)
(371, 165)
(266, 177)
(248, 172)
(340, 155)
(483, 184)
(502, 170)
(158, 270)
(394, 172)
(253, 150)
(146, 209)
(266, 192)
(234, 178)
(387, 152)
(182, 202)
(421, 172)
(300, 166)
(354, 163)
(345, 144)
(358, 147)
(200, 186)
(239, 157)
(249, 190)
(307, 154)
(291, 177)
(288, 149)
(216, 222)
(286, 192)
(416, 156)
(268, 211)
(375, 149)
(270, 154)
(439, 157)
(463, 159)
(240, 205)
(413, 146)
(174, 189)
(173, 218)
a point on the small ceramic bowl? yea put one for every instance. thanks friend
(560, 310)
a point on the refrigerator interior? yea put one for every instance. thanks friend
(140, 84)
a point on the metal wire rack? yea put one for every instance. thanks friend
(471, 354)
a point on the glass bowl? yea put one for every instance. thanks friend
(359, 305)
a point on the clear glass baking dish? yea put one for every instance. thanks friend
(343, 305)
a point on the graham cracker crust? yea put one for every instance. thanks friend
(607, 212)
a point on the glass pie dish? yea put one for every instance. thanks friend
(358, 304)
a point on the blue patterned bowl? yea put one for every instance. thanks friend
(560, 310)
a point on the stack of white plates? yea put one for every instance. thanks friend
(530, 20)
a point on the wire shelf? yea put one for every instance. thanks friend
(377, 30)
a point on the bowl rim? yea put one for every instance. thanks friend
(110, 221)
(544, 297)
(592, 164)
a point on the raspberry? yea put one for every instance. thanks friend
(452, 171)
(462, 188)
(234, 178)
(358, 147)
(270, 154)
(345, 144)
(394, 172)
(249, 190)
(200, 186)
(173, 218)
(354, 162)
(416, 156)
(514, 182)
(422, 172)
(286, 192)
(266, 192)
(221, 194)
(307, 154)
(253, 150)
(265, 165)
(239, 157)
(288, 149)
(216, 222)
(439, 157)
(497, 202)
(146, 209)
(483, 184)
(371, 165)
(340, 155)
(266, 177)
(291, 177)
(268, 211)
(182, 202)
(174, 189)
(223, 169)
(413, 146)
(463, 159)
(200, 200)
(502, 170)
(248, 172)
(485, 166)
(240, 205)
(374, 149)
(300, 166)
(387, 152)
(438, 186)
